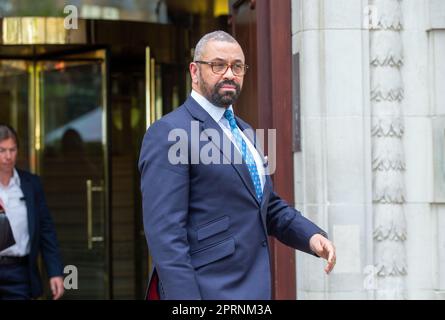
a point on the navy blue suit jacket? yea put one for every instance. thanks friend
(42, 234)
(206, 230)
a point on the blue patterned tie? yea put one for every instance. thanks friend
(247, 155)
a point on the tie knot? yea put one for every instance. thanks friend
(228, 114)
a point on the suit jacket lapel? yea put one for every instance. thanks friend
(28, 193)
(208, 123)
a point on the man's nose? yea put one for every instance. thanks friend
(229, 73)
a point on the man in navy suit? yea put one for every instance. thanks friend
(207, 222)
(22, 197)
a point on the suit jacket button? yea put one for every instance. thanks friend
(264, 243)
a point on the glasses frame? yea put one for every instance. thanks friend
(228, 65)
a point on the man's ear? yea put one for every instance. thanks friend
(194, 72)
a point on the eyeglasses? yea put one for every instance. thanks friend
(238, 69)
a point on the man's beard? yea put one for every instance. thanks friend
(225, 99)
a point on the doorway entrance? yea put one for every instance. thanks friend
(59, 106)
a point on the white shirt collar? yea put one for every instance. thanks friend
(217, 113)
(15, 178)
(14, 181)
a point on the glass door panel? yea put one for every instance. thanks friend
(73, 164)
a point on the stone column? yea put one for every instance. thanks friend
(388, 164)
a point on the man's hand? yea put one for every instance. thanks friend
(56, 285)
(325, 249)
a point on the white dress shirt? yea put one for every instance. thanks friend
(217, 113)
(15, 208)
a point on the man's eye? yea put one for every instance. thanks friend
(219, 65)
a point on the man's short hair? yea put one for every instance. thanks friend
(8, 132)
(213, 36)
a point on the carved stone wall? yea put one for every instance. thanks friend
(388, 163)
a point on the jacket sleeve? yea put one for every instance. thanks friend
(48, 239)
(165, 201)
(289, 226)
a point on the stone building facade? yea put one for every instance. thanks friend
(371, 169)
